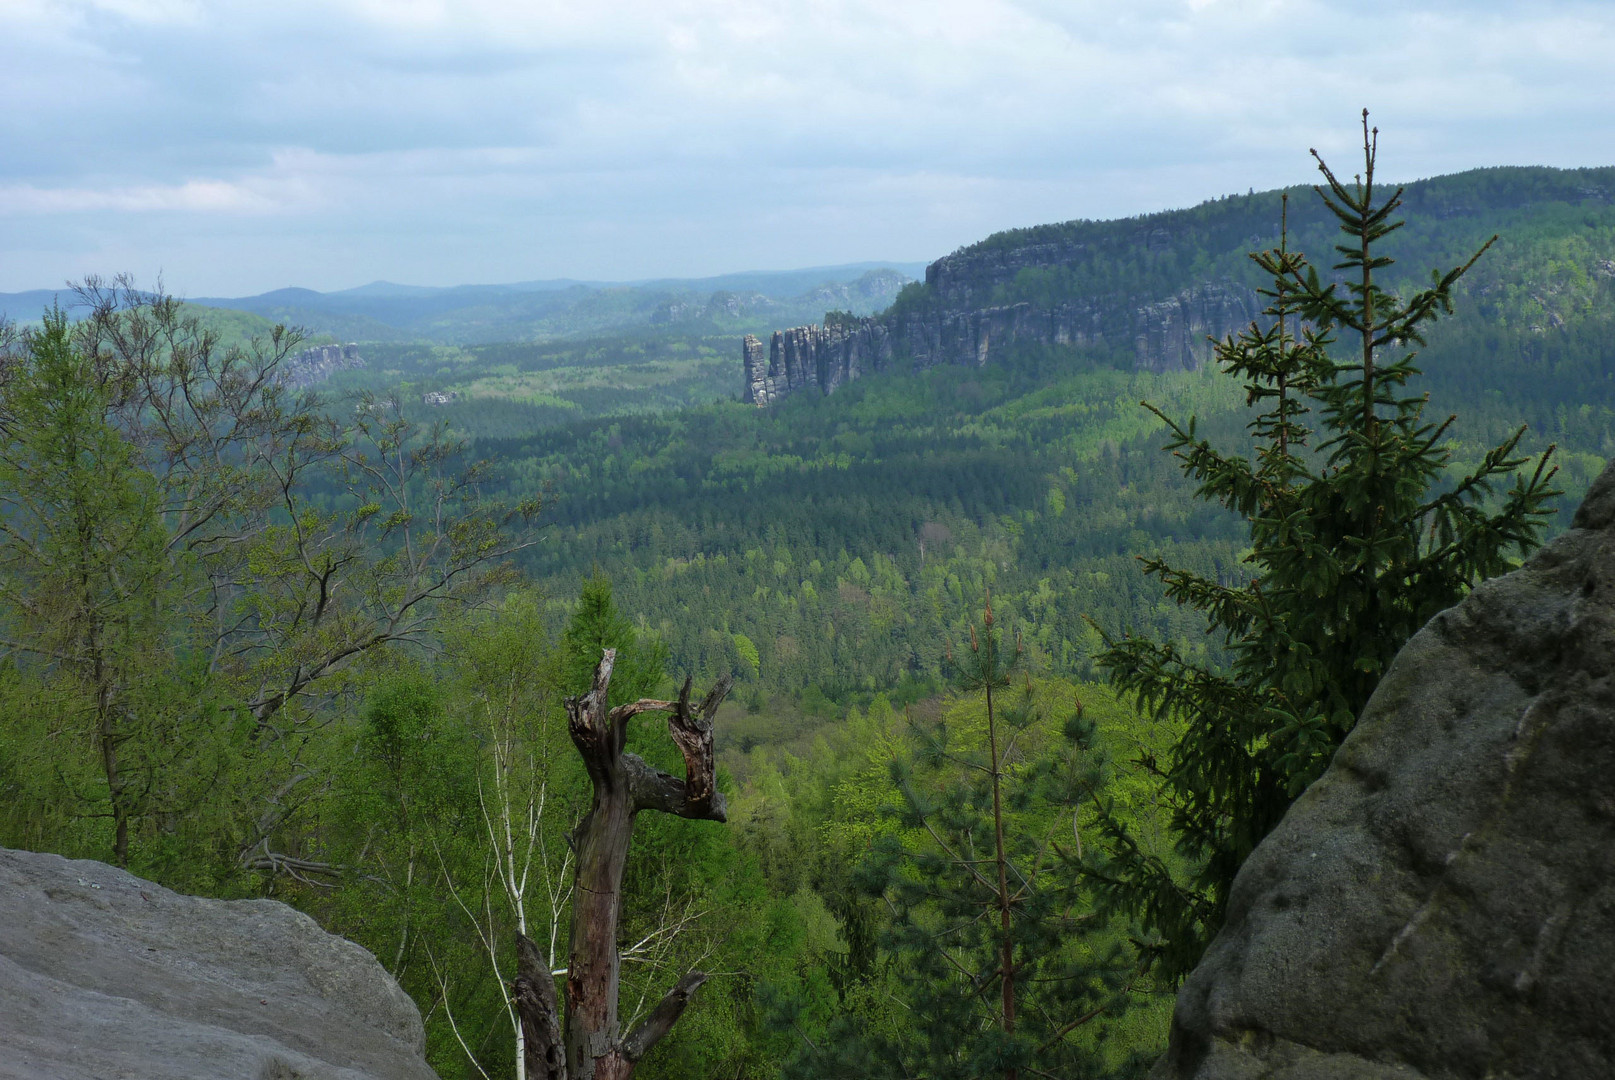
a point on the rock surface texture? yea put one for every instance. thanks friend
(962, 325)
(1441, 903)
(315, 365)
(104, 975)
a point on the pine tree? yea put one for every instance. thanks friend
(991, 937)
(1357, 537)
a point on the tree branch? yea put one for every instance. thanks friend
(654, 789)
(662, 1018)
(692, 731)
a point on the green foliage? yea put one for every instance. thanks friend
(748, 653)
(597, 625)
(1357, 537)
(197, 560)
(87, 603)
(819, 551)
(1002, 962)
(912, 983)
(1156, 255)
(842, 537)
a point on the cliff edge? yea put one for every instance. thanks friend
(1170, 334)
(105, 975)
(1441, 903)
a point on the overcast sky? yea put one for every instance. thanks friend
(236, 146)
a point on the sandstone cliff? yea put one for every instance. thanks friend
(1153, 288)
(1164, 335)
(317, 364)
(105, 975)
(1441, 903)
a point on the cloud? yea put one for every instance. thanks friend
(246, 145)
(196, 196)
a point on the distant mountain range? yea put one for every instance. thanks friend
(383, 311)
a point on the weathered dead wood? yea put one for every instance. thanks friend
(624, 784)
(650, 1031)
(542, 1049)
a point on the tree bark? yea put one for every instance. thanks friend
(624, 784)
(543, 1054)
(1007, 945)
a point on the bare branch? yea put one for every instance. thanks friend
(662, 1018)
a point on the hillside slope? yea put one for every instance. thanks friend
(844, 536)
(1149, 291)
(551, 310)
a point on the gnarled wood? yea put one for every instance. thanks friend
(693, 734)
(624, 784)
(542, 1050)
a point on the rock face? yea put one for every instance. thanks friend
(1441, 903)
(105, 975)
(1163, 335)
(821, 357)
(317, 364)
(1152, 288)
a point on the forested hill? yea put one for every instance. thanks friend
(834, 544)
(1150, 290)
(352, 682)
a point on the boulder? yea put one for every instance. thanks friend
(1441, 903)
(104, 975)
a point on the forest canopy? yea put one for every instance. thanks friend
(332, 647)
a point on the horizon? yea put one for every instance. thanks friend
(903, 266)
(234, 148)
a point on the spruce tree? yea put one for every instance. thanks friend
(997, 960)
(1358, 535)
(598, 624)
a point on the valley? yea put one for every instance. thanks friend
(826, 490)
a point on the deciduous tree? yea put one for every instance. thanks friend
(263, 541)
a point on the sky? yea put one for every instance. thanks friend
(236, 146)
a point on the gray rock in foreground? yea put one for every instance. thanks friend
(1441, 903)
(104, 975)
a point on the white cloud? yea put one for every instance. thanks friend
(337, 141)
(193, 196)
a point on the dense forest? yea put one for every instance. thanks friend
(319, 647)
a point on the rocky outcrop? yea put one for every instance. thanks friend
(1166, 335)
(105, 975)
(1441, 903)
(316, 365)
(1175, 334)
(821, 357)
